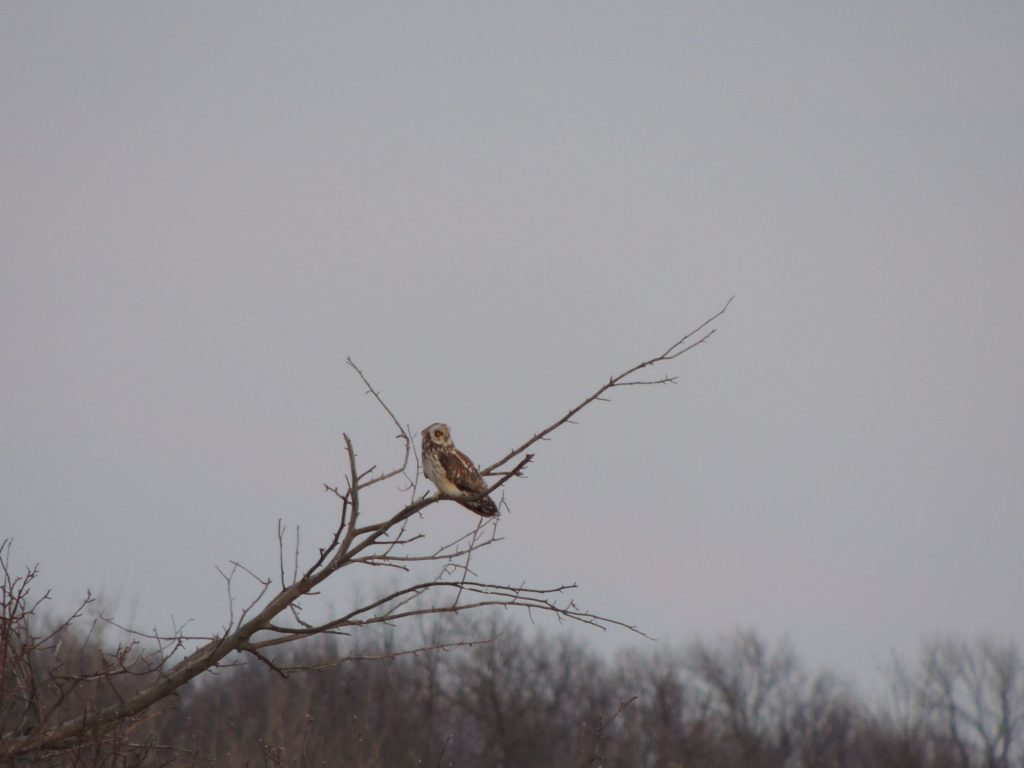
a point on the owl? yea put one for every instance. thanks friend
(452, 471)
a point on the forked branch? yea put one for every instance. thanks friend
(681, 347)
(365, 536)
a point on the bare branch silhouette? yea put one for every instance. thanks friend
(43, 714)
(678, 348)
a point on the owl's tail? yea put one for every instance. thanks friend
(483, 507)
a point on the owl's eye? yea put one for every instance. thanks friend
(437, 433)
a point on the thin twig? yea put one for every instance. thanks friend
(674, 351)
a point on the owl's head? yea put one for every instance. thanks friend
(438, 435)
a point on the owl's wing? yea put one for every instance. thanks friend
(461, 471)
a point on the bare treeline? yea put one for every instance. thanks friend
(529, 698)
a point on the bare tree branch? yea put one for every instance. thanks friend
(678, 348)
(133, 679)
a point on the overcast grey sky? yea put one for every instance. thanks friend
(493, 207)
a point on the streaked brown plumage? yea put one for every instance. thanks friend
(452, 471)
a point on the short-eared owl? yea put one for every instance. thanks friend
(452, 471)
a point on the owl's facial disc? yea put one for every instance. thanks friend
(437, 433)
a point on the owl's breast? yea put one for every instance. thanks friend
(435, 473)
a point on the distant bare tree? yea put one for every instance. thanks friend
(524, 699)
(668, 725)
(972, 696)
(755, 693)
(828, 726)
(42, 713)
